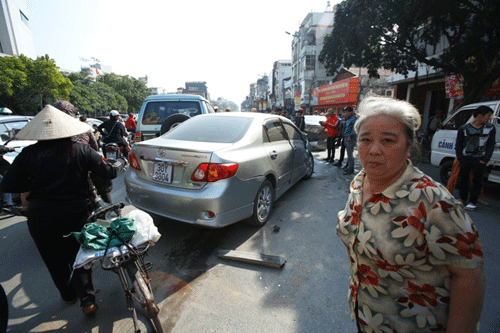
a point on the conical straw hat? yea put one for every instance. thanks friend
(51, 124)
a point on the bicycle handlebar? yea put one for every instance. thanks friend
(100, 212)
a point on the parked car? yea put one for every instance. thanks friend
(160, 113)
(94, 121)
(214, 170)
(316, 133)
(10, 125)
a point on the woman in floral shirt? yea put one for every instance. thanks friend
(415, 257)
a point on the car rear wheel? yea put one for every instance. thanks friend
(263, 205)
(309, 166)
(172, 121)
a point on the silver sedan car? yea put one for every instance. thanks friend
(216, 169)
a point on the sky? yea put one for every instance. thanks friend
(228, 44)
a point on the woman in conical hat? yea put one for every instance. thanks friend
(55, 171)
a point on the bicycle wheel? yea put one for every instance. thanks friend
(144, 296)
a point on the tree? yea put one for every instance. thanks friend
(397, 34)
(133, 90)
(27, 85)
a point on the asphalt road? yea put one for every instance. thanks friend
(199, 292)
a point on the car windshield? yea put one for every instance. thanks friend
(16, 126)
(156, 112)
(211, 129)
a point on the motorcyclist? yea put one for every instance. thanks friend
(113, 131)
(131, 124)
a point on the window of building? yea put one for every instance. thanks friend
(24, 18)
(310, 62)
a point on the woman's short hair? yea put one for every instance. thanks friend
(403, 111)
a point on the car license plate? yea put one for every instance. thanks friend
(162, 172)
(111, 155)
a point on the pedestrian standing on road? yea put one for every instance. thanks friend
(340, 142)
(414, 254)
(474, 147)
(299, 120)
(350, 138)
(332, 128)
(55, 171)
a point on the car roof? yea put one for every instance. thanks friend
(175, 97)
(7, 118)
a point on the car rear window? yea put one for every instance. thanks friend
(211, 129)
(156, 112)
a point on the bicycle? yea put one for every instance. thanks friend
(127, 261)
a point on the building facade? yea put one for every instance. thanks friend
(16, 37)
(282, 72)
(307, 71)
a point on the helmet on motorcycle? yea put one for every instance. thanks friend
(114, 113)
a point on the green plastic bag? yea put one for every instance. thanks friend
(96, 237)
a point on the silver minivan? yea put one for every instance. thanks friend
(160, 113)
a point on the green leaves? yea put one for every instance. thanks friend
(459, 37)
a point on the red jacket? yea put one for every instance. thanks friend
(130, 123)
(332, 125)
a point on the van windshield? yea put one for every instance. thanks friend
(155, 113)
(459, 119)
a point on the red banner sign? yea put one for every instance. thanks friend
(344, 91)
(454, 87)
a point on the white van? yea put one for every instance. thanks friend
(443, 141)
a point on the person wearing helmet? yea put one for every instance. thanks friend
(113, 131)
(300, 120)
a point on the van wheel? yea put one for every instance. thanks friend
(172, 121)
(445, 171)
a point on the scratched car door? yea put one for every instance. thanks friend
(280, 152)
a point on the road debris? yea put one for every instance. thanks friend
(253, 258)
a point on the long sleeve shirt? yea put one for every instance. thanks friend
(349, 127)
(332, 125)
(475, 142)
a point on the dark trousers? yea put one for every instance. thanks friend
(48, 225)
(341, 144)
(466, 165)
(330, 147)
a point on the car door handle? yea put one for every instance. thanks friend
(274, 155)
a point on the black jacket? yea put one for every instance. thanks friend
(37, 171)
(115, 131)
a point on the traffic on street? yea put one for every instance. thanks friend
(199, 292)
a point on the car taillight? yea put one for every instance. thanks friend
(134, 163)
(210, 172)
(137, 136)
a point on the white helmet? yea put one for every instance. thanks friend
(114, 113)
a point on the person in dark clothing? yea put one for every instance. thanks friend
(340, 141)
(474, 147)
(55, 173)
(113, 130)
(300, 120)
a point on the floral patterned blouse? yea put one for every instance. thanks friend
(399, 244)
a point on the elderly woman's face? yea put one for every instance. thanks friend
(382, 146)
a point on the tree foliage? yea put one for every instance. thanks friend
(396, 34)
(133, 90)
(26, 85)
